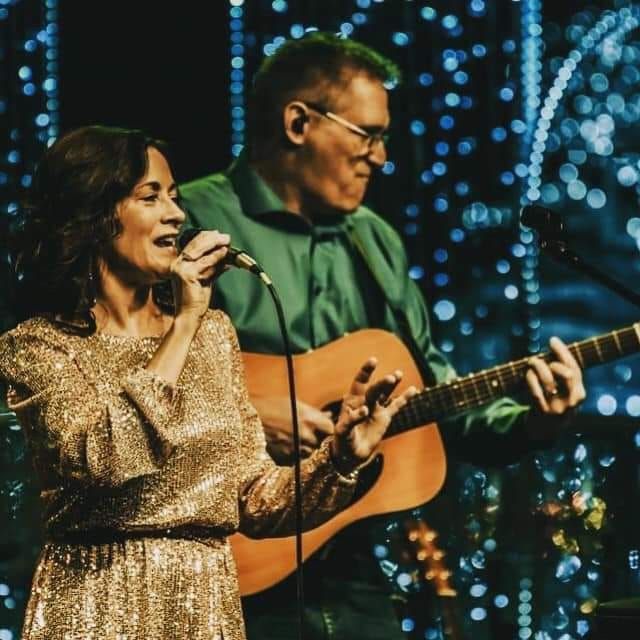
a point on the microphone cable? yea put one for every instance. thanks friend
(297, 471)
(242, 260)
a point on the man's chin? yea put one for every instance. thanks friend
(347, 207)
(337, 207)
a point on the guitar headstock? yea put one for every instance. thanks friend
(431, 557)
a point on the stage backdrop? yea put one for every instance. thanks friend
(502, 104)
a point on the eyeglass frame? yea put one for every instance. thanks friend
(370, 139)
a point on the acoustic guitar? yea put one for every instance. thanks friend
(410, 466)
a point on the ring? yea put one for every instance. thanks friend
(551, 393)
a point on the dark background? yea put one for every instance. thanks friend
(515, 537)
(159, 67)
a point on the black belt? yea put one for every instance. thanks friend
(110, 536)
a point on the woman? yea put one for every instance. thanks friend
(148, 450)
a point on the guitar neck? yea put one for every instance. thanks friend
(468, 392)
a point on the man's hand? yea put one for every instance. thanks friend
(275, 413)
(557, 388)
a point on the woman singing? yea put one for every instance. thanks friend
(148, 451)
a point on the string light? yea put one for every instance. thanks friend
(237, 79)
(440, 133)
(29, 108)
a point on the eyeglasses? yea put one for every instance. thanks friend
(370, 139)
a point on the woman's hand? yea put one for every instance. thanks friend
(193, 272)
(365, 414)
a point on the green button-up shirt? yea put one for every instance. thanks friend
(333, 277)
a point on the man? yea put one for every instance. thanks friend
(317, 124)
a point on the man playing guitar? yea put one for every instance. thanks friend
(293, 200)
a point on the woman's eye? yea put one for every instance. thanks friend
(151, 197)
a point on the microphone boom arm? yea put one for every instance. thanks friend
(552, 238)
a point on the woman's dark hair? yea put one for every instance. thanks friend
(69, 219)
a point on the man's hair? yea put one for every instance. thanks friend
(320, 62)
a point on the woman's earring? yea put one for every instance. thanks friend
(92, 288)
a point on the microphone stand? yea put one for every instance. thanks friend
(558, 249)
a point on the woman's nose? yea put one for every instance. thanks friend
(174, 213)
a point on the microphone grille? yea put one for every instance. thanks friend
(187, 236)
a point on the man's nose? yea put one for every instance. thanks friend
(377, 155)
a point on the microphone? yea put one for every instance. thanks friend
(553, 239)
(235, 257)
(546, 222)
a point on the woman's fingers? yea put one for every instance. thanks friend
(203, 243)
(401, 401)
(195, 268)
(359, 385)
(202, 269)
(380, 392)
(207, 265)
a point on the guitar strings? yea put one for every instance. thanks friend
(463, 393)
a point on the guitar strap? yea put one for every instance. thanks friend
(387, 282)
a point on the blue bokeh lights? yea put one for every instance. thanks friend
(542, 148)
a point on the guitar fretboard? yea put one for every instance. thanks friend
(461, 394)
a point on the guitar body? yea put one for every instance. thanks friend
(411, 467)
(411, 464)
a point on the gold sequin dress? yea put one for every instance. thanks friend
(142, 481)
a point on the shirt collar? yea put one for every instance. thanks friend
(257, 199)
(255, 195)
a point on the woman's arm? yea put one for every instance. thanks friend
(87, 434)
(329, 475)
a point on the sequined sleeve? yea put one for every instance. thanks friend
(267, 491)
(92, 432)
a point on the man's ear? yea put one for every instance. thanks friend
(295, 118)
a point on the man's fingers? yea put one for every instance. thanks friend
(562, 352)
(545, 376)
(570, 383)
(307, 436)
(318, 421)
(324, 425)
(536, 390)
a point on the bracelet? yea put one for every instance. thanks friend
(341, 462)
